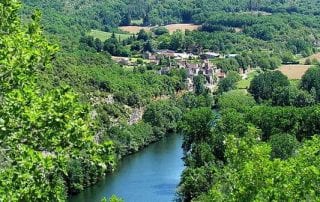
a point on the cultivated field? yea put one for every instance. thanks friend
(172, 28)
(106, 35)
(294, 71)
(183, 27)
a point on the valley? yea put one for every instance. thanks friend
(132, 100)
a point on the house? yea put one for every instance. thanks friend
(231, 55)
(164, 53)
(209, 71)
(190, 73)
(151, 57)
(192, 66)
(164, 71)
(206, 64)
(241, 71)
(147, 55)
(183, 56)
(189, 84)
(209, 79)
(210, 55)
(182, 64)
(121, 60)
(154, 61)
(220, 74)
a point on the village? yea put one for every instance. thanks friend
(195, 64)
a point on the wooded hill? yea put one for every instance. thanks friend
(101, 14)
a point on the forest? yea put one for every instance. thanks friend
(69, 113)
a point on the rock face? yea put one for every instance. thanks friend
(109, 99)
(96, 100)
(136, 115)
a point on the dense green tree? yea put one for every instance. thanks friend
(143, 35)
(263, 85)
(195, 182)
(176, 42)
(231, 121)
(131, 138)
(283, 146)
(288, 58)
(196, 126)
(88, 40)
(146, 20)
(243, 61)
(228, 65)
(148, 46)
(198, 82)
(291, 95)
(229, 83)
(186, 15)
(112, 45)
(160, 31)
(191, 100)
(304, 99)
(126, 20)
(236, 99)
(264, 32)
(300, 46)
(310, 81)
(98, 45)
(163, 116)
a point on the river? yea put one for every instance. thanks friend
(151, 175)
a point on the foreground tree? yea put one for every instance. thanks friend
(40, 131)
(251, 174)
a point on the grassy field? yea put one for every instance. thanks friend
(106, 35)
(134, 29)
(245, 83)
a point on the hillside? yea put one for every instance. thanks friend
(105, 14)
